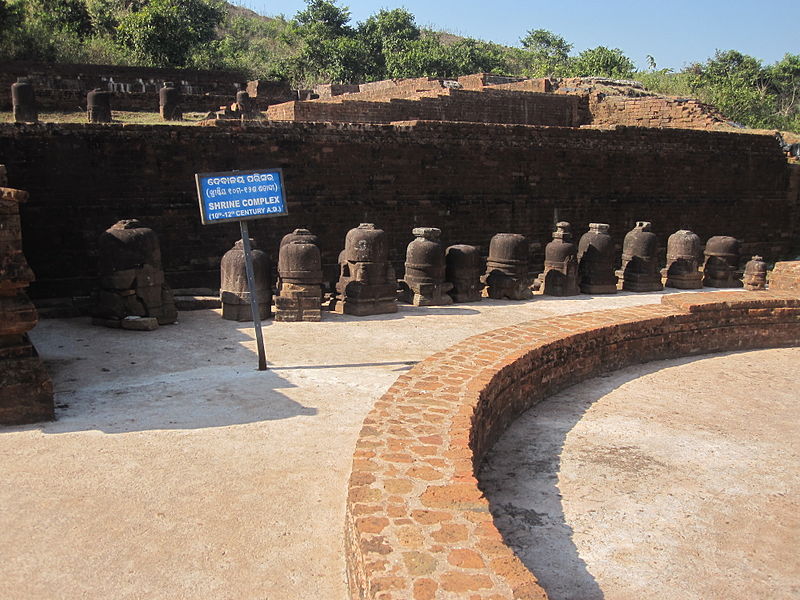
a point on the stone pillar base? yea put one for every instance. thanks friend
(598, 288)
(365, 308)
(726, 282)
(434, 294)
(298, 303)
(26, 391)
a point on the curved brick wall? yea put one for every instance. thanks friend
(417, 524)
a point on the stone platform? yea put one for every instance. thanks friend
(176, 470)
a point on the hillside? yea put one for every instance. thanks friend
(321, 44)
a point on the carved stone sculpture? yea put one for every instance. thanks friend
(299, 278)
(684, 256)
(507, 268)
(367, 284)
(26, 392)
(98, 106)
(234, 291)
(596, 261)
(560, 275)
(639, 271)
(463, 269)
(131, 282)
(23, 101)
(424, 282)
(722, 262)
(755, 274)
(169, 102)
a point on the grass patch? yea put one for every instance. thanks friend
(119, 116)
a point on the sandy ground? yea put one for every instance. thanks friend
(673, 479)
(177, 470)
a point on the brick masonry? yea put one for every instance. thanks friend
(469, 180)
(785, 277)
(26, 392)
(654, 111)
(477, 106)
(417, 523)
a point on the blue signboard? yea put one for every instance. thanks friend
(240, 195)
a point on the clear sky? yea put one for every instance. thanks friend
(674, 32)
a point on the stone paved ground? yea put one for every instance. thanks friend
(676, 478)
(176, 470)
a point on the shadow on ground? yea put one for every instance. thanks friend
(177, 377)
(520, 480)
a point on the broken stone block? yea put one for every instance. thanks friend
(755, 274)
(785, 277)
(464, 268)
(234, 291)
(684, 256)
(560, 275)
(639, 271)
(424, 282)
(26, 391)
(367, 284)
(721, 267)
(596, 256)
(131, 281)
(299, 278)
(507, 268)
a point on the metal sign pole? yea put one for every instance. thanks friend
(251, 285)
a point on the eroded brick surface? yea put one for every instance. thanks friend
(470, 180)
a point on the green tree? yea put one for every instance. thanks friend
(602, 62)
(105, 15)
(546, 54)
(164, 32)
(10, 17)
(329, 51)
(385, 35)
(469, 55)
(70, 16)
(737, 85)
(783, 81)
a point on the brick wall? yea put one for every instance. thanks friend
(654, 111)
(486, 106)
(418, 526)
(470, 180)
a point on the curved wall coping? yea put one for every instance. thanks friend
(417, 523)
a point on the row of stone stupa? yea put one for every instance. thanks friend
(132, 282)
(435, 275)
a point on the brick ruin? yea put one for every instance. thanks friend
(418, 524)
(481, 97)
(473, 157)
(26, 392)
(485, 98)
(489, 155)
(470, 180)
